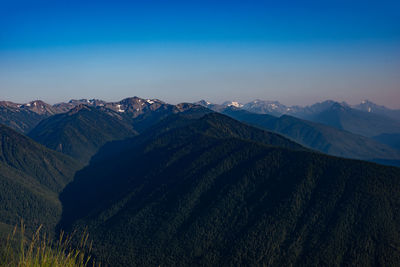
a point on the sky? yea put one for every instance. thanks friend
(296, 52)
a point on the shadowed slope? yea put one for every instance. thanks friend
(212, 124)
(194, 195)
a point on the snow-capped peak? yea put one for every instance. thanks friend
(234, 104)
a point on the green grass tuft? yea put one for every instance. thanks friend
(41, 251)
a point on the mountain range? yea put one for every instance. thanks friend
(366, 131)
(137, 106)
(24, 117)
(201, 184)
(277, 109)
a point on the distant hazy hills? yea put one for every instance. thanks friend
(31, 176)
(366, 119)
(277, 109)
(356, 121)
(370, 107)
(211, 191)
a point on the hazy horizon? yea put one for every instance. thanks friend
(174, 103)
(179, 51)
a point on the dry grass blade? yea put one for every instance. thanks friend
(40, 251)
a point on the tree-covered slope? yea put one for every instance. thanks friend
(80, 132)
(19, 119)
(318, 136)
(31, 176)
(210, 123)
(195, 197)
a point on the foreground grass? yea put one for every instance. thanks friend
(41, 251)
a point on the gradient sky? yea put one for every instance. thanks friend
(296, 52)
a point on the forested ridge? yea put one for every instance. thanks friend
(31, 177)
(194, 198)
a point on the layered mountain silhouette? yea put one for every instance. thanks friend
(213, 191)
(24, 117)
(320, 137)
(367, 119)
(371, 107)
(356, 121)
(31, 176)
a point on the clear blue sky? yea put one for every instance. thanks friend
(297, 52)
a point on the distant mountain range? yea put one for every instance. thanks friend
(356, 121)
(31, 113)
(277, 109)
(24, 117)
(366, 131)
(366, 119)
(370, 107)
(318, 112)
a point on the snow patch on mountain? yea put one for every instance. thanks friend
(119, 108)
